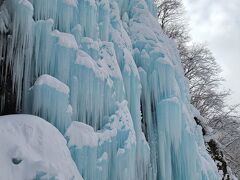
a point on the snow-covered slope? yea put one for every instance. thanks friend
(31, 148)
(107, 77)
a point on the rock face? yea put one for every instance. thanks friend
(215, 150)
(107, 77)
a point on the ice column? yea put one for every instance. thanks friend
(50, 100)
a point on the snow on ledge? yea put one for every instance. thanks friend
(71, 2)
(81, 135)
(26, 3)
(52, 82)
(65, 39)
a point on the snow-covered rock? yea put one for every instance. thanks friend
(31, 148)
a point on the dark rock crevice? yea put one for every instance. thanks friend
(215, 151)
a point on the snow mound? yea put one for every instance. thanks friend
(31, 148)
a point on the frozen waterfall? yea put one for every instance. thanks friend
(105, 75)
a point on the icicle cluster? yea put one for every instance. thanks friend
(106, 76)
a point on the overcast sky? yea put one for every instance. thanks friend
(217, 23)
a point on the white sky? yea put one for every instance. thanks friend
(217, 23)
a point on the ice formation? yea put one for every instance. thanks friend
(50, 100)
(107, 77)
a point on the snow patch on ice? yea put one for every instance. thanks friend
(26, 3)
(81, 135)
(65, 39)
(71, 2)
(53, 83)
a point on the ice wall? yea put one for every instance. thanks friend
(107, 77)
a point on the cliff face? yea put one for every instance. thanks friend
(104, 74)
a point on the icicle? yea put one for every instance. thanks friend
(4, 30)
(88, 18)
(63, 12)
(20, 50)
(103, 20)
(4, 18)
(65, 54)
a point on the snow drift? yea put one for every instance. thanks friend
(31, 148)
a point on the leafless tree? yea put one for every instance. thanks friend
(172, 21)
(201, 69)
(169, 11)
